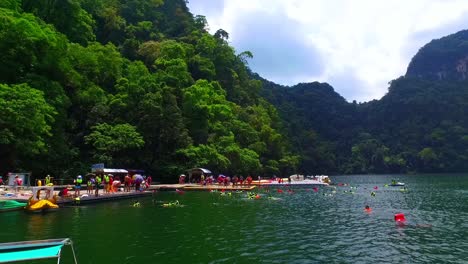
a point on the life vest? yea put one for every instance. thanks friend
(47, 180)
(90, 183)
(98, 180)
(78, 181)
(106, 178)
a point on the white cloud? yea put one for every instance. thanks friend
(366, 41)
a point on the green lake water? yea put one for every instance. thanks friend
(300, 227)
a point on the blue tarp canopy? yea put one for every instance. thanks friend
(32, 250)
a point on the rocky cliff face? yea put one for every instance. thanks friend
(442, 59)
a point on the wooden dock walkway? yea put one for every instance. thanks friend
(91, 198)
(198, 187)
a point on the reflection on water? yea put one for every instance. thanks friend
(38, 225)
(328, 225)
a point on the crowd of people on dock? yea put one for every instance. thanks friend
(110, 184)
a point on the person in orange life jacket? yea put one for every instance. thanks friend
(127, 183)
(249, 180)
(111, 181)
(149, 180)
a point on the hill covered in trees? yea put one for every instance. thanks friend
(143, 84)
(133, 84)
(442, 59)
(420, 125)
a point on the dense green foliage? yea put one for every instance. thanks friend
(420, 125)
(134, 84)
(142, 84)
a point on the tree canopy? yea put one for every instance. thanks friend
(138, 84)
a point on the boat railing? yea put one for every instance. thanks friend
(34, 250)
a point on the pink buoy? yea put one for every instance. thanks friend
(376, 187)
(315, 189)
(400, 217)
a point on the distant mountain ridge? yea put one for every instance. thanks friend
(421, 124)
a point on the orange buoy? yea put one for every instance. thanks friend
(400, 217)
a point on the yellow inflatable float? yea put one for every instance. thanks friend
(41, 205)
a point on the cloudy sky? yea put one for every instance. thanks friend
(357, 46)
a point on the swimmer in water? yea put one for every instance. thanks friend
(368, 209)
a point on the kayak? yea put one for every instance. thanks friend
(397, 184)
(11, 205)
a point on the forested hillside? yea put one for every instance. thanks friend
(133, 84)
(420, 125)
(143, 84)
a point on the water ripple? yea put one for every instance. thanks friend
(328, 226)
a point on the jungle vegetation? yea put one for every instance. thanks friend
(143, 84)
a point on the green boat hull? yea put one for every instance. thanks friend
(11, 205)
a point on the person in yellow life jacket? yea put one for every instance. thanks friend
(106, 183)
(78, 182)
(89, 184)
(97, 184)
(47, 180)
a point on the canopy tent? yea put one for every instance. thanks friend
(34, 250)
(107, 170)
(24, 176)
(115, 171)
(197, 172)
(296, 177)
(135, 171)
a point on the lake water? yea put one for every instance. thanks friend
(301, 227)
